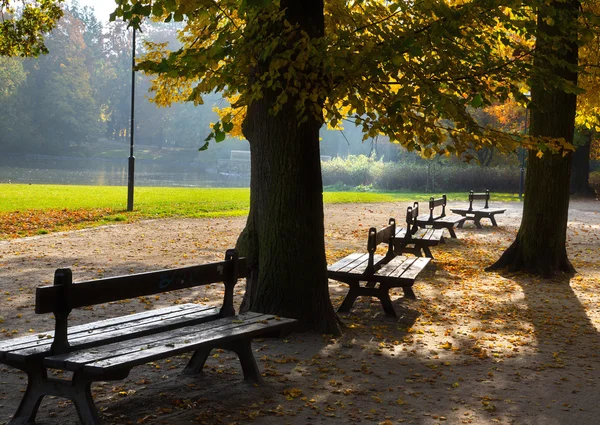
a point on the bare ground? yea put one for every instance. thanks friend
(478, 348)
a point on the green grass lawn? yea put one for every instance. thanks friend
(165, 202)
(34, 209)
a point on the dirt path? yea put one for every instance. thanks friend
(475, 348)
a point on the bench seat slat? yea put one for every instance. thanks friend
(76, 360)
(396, 267)
(347, 260)
(104, 331)
(450, 218)
(15, 343)
(427, 236)
(138, 351)
(419, 264)
(405, 273)
(210, 338)
(356, 267)
(478, 210)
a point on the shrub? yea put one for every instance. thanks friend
(595, 181)
(360, 170)
(355, 170)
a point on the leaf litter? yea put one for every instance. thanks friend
(475, 348)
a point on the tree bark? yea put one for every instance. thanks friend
(540, 245)
(580, 176)
(284, 234)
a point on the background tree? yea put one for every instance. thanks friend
(588, 116)
(61, 88)
(540, 245)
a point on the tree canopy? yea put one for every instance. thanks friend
(410, 71)
(24, 23)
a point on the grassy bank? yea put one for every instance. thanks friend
(38, 209)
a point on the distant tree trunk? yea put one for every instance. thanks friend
(580, 175)
(540, 246)
(284, 234)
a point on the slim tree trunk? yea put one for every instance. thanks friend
(540, 246)
(284, 234)
(580, 176)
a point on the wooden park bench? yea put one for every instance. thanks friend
(413, 239)
(441, 220)
(475, 214)
(373, 275)
(108, 349)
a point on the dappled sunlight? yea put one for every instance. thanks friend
(474, 348)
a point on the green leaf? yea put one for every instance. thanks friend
(257, 3)
(219, 136)
(477, 101)
(203, 147)
(227, 127)
(157, 9)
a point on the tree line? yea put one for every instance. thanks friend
(65, 101)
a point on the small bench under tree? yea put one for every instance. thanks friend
(475, 214)
(413, 239)
(107, 350)
(373, 275)
(440, 220)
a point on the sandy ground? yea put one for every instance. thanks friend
(476, 347)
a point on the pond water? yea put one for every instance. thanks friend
(46, 169)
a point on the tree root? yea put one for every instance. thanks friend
(513, 260)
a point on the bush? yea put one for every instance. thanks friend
(595, 181)
(364, 172)
(355, 170)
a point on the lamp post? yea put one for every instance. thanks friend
(130, 176)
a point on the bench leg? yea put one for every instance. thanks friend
(427, 252)
(409, 293)
(478, 223)
(493, 220)
(196, 363)
(452, 232)
(351, 296)
(83, 401)
(30, 403)
(386, 302)
(244, 351)
(78, 390)
(461, 224)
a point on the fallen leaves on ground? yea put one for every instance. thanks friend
(35, 222)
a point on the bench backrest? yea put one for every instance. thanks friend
(385, 235)
(485, 196)
(439, 202)
(65, 295)
(411, 221)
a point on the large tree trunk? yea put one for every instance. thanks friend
(580, 175)
(540, 246)
(284, 234)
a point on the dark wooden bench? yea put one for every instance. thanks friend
(442, 220)
(373, 275)
(108, 349)
(475, 214)
(413, 239)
